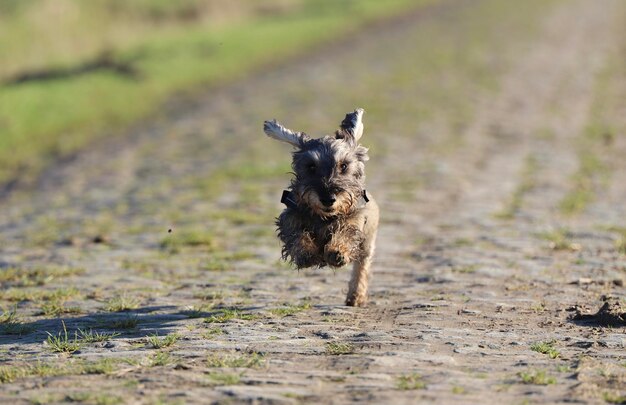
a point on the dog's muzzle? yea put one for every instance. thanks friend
(290, 201)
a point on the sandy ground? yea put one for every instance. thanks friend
(481, 128)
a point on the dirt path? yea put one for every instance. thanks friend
(502, 210)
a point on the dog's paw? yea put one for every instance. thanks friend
(271, 126)
(335, 258)
(356, 300)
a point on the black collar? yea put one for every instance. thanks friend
(290, 201)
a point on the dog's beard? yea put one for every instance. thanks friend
(342, 206)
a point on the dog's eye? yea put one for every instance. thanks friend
(343, 167)
(311, 167)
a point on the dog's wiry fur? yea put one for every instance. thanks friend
(332, 223)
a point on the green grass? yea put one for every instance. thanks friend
(10, 323)
(410, 382)
(222, 261)
(620, 242)
(584, 183)
(546, 348)
(559, 239)
(157, 342)
(290, 309)
(27, 277)
(339, 348)
(458, 390)
(41, 120)
(121, 303)
(9, 316)
(19, 294)
(224, 378)
(596, 142)
(613, 398)
(536, 377)
(56, 308)
(526, 184)
(10, 373)
(211, 333)
(468, 269)
(197, 311)
(62, 343)
(174, 242)
(96, 398)
(160, 359)
(247, 360)
(91, 336)
(620, 245)
(104, 366)
(230, 314)
(129, 322)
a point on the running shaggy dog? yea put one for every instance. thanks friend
(330, 219)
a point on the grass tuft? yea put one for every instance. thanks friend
(129, 322)
(613, 398)
(546, 348)
(56, 308)
(224, 378)
(9, 316)
(174, 243)
(560, 239)
(10, 373)
(160, 359)
(620, 242)
(536, 377)
(249, 360)
(411, 382)
(121, 303)
(10, 323)
(93, 337)
(26, 277)
(290, 309)
(339, 348)
(158, 343)
(230, 314)
(19, 294)
(62, 343)
(211, 333)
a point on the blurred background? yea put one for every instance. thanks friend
(71, 69)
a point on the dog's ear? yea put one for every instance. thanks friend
(273, 129)
(351, 128)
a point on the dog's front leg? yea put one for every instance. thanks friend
(344, 246)
(299, 243)
(357, 288)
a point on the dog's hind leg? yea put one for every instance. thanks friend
(357, 288)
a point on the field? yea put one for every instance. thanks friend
(144, 268)
(73, 71)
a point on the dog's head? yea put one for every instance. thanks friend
(329, 171)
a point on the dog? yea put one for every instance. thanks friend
(330, 219)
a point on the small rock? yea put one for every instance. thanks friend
(72, 241)
(470, 311)
(582, 281)
(612, 313)
(101, 239)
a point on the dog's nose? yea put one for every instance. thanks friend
(329, 201)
